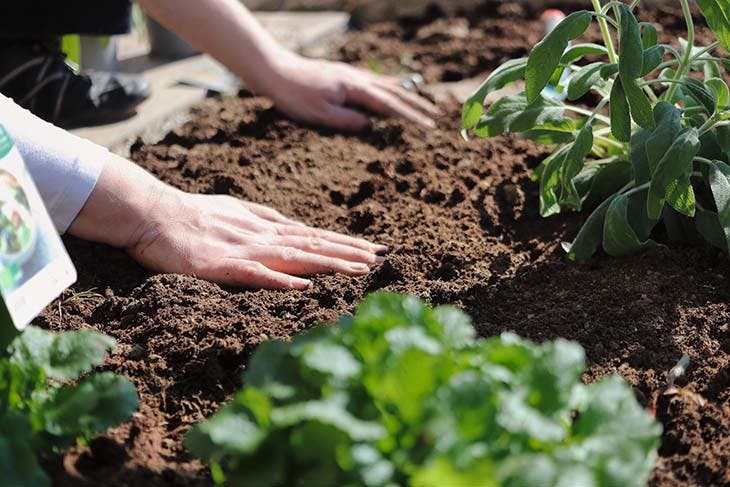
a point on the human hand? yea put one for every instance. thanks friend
(321, 92)
(226, 240)
(214, 237)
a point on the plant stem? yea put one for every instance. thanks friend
(608, 141)
(687, 60)
(703, 160)
(710, 124)
(636, 189)
(672, 51)
(607, 160)
(666, 64)
(587, 113)
(705, 50)
(605, 32)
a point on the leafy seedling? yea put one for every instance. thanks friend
(662, 113)
(404, 394)
(42, 411)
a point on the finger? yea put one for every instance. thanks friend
(296, 261)
(320, 246)
(269, 214)
(373, 76)
(250, 274)
(381, 101)
(394, 85)
(413, 99)
(343, 118)
(333, 237)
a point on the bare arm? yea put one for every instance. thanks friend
(226, 30)
(306, 89)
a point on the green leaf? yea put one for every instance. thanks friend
(719, 181)
(96, 403)
(609, 70)
(546, 55)
(584, 79)
(63, 356)
(721, 91)
(576, 52)
(458, 331)
(630, 65)
(675, 163)
(604, 181)
(507, 73)
(590, 235)
(668, 126)
(330, 412)
(625, 228)
(327, 358)
(19, 466)
(700, 93)
(620, 114)
(639, 159)
(550, 180)
(717, 13)
(442, 472)
(681, 196)
(641, 110)
(226, 432)
(559, 367)
(708, 226)
(648, 35)
(552, 133)
(631, 49)
(612, 413)
(652, 58)
(711, 69)
(514, 114)
(573, 163)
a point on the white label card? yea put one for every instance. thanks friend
(34, 265)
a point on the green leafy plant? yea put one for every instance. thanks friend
(41, 412)
(403, 394)
(651, 154)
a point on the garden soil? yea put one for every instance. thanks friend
(462, 223)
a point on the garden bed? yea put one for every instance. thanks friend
(462, 221)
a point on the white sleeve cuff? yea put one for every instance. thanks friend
(65, 168)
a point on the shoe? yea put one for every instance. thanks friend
(38, 77)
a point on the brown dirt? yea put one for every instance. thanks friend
(462, 223)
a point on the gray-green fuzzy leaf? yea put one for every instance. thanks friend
(546, 55)
(507, 73)
(619, 237)
(675, 163)
(620, 113)
(717, 13)
(584, 79)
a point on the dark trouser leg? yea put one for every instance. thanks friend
(42, 19)
(33, 70)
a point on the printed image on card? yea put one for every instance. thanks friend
(35, 267)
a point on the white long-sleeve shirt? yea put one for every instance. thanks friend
(64, 167)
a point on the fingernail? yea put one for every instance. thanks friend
(301, 284)
(429, 123)
(360, 267)
(379, 259)
(377, 249)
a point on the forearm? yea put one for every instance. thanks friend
(226, 30)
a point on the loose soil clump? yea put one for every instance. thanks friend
(462, 222)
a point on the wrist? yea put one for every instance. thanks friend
(121, 205)
(273, 81)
